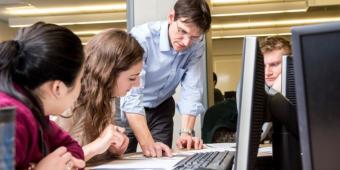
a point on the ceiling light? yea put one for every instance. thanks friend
(73, 23)
(218, 2)
(100, 18)
(274, 23)
(228, 1)
(259, 13)
(257, 35)
(90, 32)
(30, 10)
(258, 9)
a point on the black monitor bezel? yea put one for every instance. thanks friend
(297, 34)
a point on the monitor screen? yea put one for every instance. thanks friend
(251, 105)
(316, 52)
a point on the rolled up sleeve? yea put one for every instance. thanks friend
(133, 102)
(192, 86)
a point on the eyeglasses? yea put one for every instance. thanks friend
(183, 33)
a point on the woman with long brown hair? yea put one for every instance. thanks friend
(113, 62)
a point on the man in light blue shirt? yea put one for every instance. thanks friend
(173, 56)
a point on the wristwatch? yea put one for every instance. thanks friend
(190, 132)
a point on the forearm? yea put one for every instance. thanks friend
(140, 128)
(89, 150)
(188, 121)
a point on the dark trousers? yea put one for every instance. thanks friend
(160, 123)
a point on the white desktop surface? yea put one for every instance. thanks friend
(138, 161)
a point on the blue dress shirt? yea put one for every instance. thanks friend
(163, 70)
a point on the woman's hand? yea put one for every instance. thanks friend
(60, 159)
(120, 141)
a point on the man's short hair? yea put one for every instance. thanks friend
(194, 11)
(273, 43)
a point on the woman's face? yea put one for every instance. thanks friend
(68, 97)
(128, 79)
(73, 93)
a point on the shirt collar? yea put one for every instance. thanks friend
(164, 44)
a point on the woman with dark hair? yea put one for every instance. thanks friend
(113, 62)
(40, 75)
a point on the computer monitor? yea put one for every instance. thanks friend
(316, 52)
(257, 107)
(252, 100)
(282, 107)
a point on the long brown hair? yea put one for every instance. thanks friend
(106, 55)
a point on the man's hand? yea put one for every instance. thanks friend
(156, 149)
(187, 141)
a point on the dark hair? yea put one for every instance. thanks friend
(214, 77)
(194, 11)
(276, 43)
(107, 55)
(39, 53)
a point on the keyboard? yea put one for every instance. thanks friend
(207, 160)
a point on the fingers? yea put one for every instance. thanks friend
(189, 143)
(150, 152)
(166, 149)
(198, 143)
(118, 139)
(59, 151)
(158, 149)
(125, 144)
(66, 157)
(179, 143)
(200, 146)
(78, 163)
(120, 129)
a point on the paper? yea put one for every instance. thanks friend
(140, 162)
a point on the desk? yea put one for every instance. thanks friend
(137, 161)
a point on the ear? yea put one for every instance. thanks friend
(171, 17)
(59, 89)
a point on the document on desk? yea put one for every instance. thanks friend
(140, 162)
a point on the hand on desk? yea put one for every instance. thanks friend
(120, 141)
(60, 159)
(187, 141)
(112, 138)
(156, 149)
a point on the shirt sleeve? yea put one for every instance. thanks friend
(192, 85)
(23, 136)
(58, 137)
(133, 101)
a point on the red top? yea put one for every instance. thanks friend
(27, 135)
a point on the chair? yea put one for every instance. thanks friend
(7, 128)
(219, 123)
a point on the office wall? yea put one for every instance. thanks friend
(227, 60)
(6, 33)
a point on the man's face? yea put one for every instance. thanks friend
(272, 63)
(183, 35)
